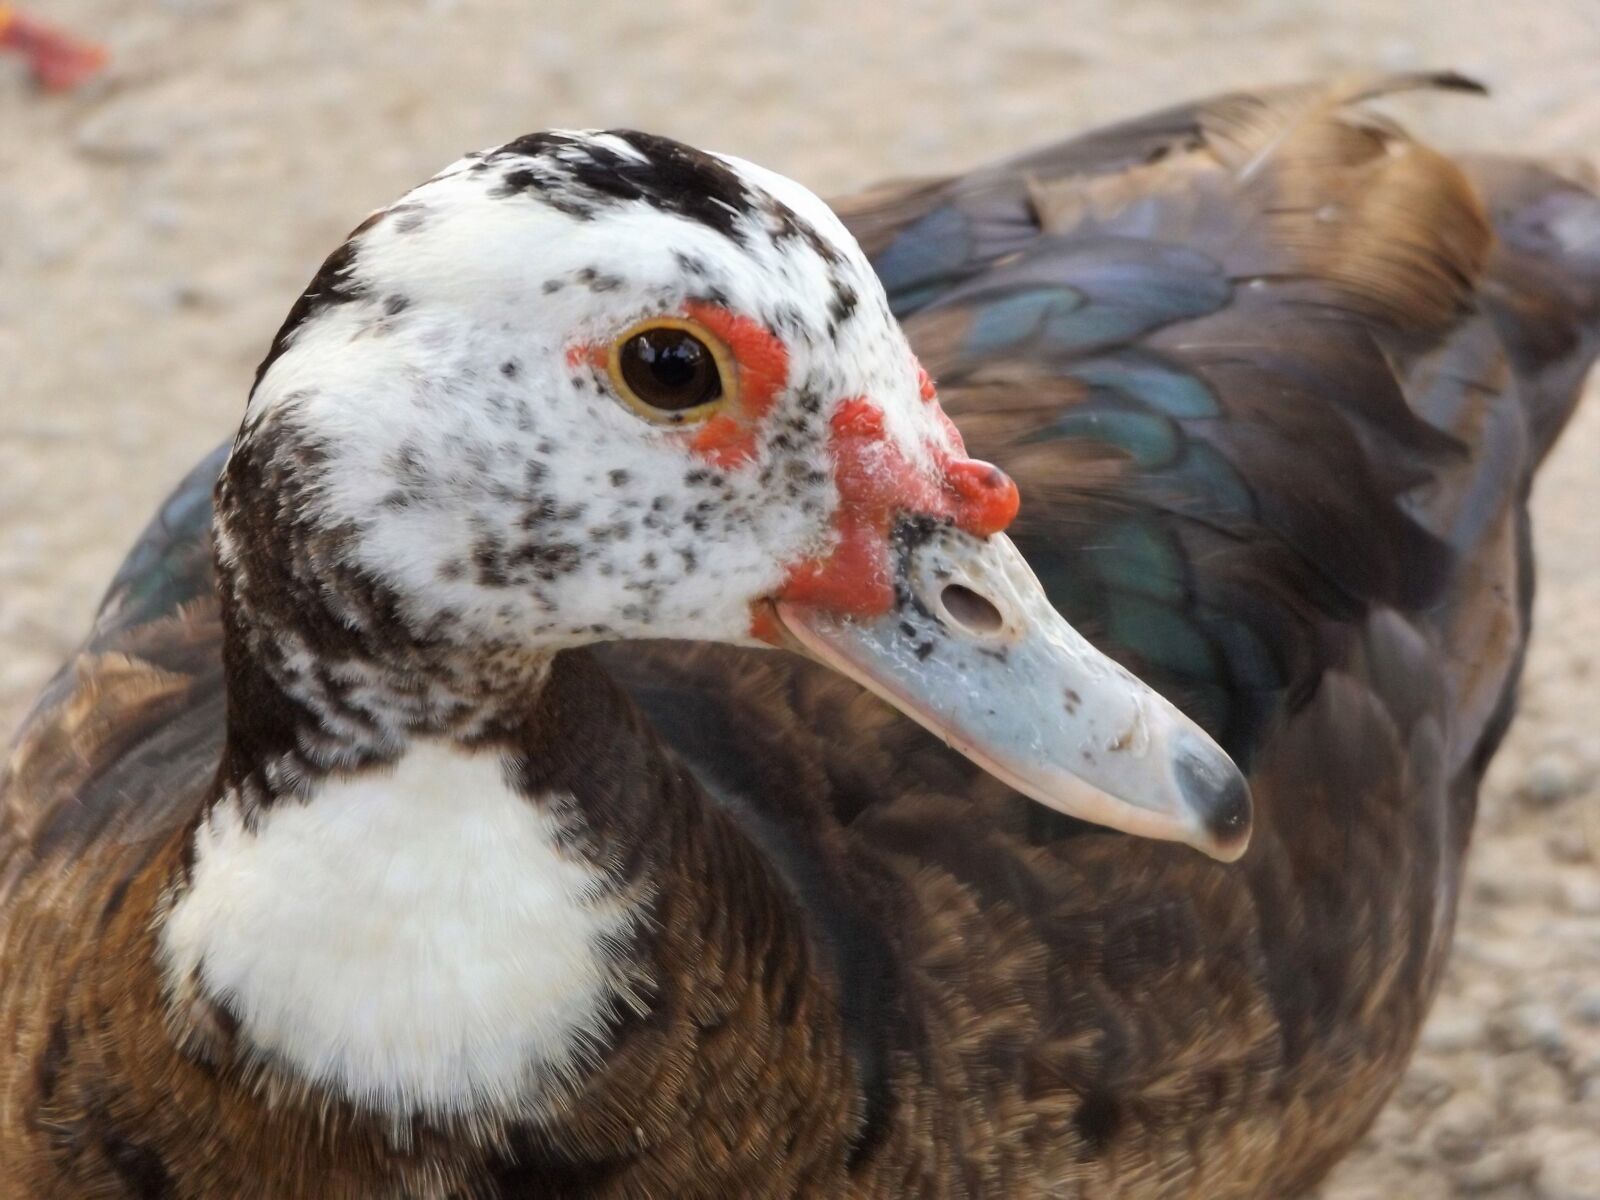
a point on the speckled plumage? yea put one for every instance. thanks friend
(1273, 380)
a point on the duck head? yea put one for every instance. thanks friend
(602, 386)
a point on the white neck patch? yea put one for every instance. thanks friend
(413, 941)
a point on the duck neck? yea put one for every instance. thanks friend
(418, 884)
(505, 923)
(440, 916)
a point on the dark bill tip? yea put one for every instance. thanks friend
(1217, 794)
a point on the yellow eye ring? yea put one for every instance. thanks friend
(673, 370)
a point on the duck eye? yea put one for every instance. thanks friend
(671, 370)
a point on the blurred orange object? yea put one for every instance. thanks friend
(59, 62)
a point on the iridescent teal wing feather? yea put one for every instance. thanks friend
(1226, 350)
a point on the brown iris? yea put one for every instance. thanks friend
(671, 369)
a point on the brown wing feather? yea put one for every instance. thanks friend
(118, 749)
(1385, 374)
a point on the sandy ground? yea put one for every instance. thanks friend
(155, 227)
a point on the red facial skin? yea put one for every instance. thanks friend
(588, 353)
(727, 440)
(877, 483)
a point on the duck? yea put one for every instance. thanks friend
(677, 689)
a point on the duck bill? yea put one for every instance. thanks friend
(972, 650)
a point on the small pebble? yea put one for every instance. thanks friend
(162, 217)
(1530, 1026)
(1581, 896)
(1569, 1164)
(1424, 1087)
(1497, 1169)
(1550, 779)
(1532, 1092)
(1569, 845)
(1587, 1006)
(1452, 1028)
(1460, 1127)
(118, 134)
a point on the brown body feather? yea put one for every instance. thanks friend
(872, 970)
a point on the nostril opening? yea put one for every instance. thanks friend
(970, 610)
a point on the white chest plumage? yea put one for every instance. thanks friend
(413, 940)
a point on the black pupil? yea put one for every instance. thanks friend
(670, 369)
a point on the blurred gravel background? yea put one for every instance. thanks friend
(155, 226)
